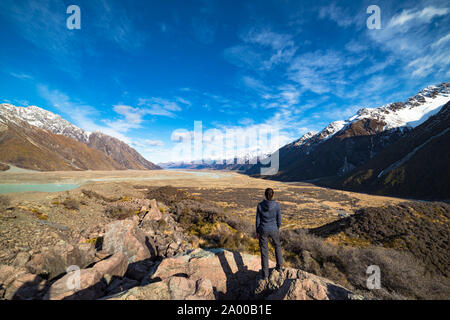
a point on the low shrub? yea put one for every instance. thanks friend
(169, 195)
(94, 195)
(402, 275)
(71, 204)
(96, 242)
(119, 213)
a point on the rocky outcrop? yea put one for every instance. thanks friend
(92, 283)
(231, 275)
(294, 284)
(173, 288)
(116, 266)
(52, 262)
(18, 283)
(147, 257)
(91, 286)
(151, 211)
(125, 236)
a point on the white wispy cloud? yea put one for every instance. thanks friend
(147, 143)
(22, 76)
(445, 39)
(414, 16)
(84, 115)
(408, 38)
(321, 71)
(131, 118)
(162, 107)
(261, 49)
(337, 14)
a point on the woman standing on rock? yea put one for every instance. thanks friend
(268, 223)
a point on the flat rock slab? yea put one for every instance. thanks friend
(232, 274)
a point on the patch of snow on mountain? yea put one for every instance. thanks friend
(332, 129)
(304, 138)
(43, 119)
(397, 115)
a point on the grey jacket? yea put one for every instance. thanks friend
(268, 216)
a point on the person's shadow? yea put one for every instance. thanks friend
(240, 284)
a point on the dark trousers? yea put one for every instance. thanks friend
(263, 244)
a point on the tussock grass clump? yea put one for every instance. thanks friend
(96, 242)
(94, 195)
(169, 195)
(38, 214)
(214, 227)
(119, 212)
(71, 204)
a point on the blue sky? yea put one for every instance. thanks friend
(139, 70)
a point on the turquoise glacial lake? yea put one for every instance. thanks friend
(42, 187)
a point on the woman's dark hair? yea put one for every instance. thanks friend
(269, 193)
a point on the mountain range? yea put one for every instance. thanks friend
(400, 148)
(37, 139)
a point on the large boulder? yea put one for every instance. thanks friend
(54, 261)
(91, 286)
(152, 212)
(168, 237)
(233, 275)
(173, 288)
(125, 236)
(93, 282)
(17, 283)
(294, 284)
(115, 266)
(121, 284)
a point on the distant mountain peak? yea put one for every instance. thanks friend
(114, 148)
(411, 113)
(43, 119)
(304, 138)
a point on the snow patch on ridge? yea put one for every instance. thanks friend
(411, 114)
(43, 119)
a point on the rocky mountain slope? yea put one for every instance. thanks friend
(66, 146)
(345, 145)
(122, 153)
(416, 165)
(30, 147)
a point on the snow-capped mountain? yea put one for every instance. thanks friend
(407, 114)
(122, 155)
(415, 166)
(347, 144)
(43, 119)
(304, 138)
